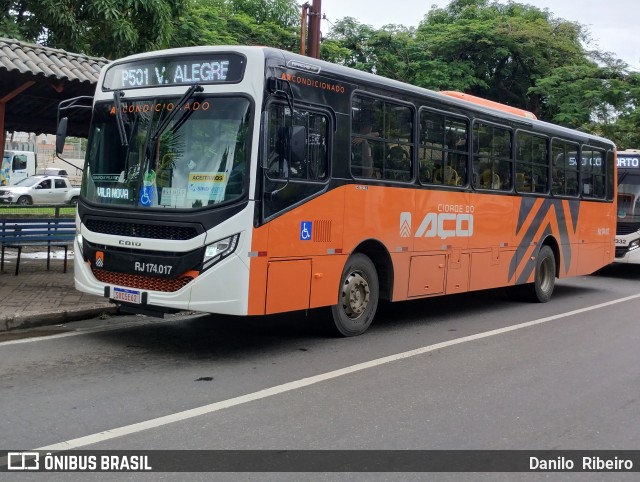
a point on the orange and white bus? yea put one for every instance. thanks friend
(250, 181)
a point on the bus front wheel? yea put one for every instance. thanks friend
(357, 296)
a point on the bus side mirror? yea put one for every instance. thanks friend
(298, 143)
(61, 135)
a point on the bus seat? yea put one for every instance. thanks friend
(489, 180)
(521, 183)
(448, 176)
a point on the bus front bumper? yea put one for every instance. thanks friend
(222, 289)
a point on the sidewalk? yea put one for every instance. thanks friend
(37, 297)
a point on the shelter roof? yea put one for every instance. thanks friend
(34, 79)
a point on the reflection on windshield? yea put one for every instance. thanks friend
(196, 159)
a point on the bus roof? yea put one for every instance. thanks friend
(458, 99)
(489, 103)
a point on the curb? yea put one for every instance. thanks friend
(32, 320)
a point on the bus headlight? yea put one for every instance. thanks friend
(634, 245)
(218, 250)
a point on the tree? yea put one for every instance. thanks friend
(395, 48)
(349, 45)
(109, 28)
(623, 126)
(238, 22)
(497, 51)
(511, 53)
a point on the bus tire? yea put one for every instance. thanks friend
(545, 279)
(358, 296)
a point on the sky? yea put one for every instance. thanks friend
(613, 24)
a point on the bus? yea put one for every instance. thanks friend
(628, 227)
(249, 181)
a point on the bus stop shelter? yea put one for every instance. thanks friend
(33, 81)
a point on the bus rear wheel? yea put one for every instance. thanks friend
(545, 279)
(357, 296)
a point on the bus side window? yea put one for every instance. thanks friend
(564, 161)
(531, 163)
(593, 173)
(297, 163)
(492, 155)
(443, 149)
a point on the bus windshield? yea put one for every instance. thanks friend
(628, 195)
(196, 159)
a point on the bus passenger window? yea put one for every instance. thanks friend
(593, 173)
(531, 163)
(492, 162)
(381, 139)
(443, 151)
(564, 168)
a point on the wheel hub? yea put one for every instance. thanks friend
(355, 295)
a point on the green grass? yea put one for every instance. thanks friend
(42, 211)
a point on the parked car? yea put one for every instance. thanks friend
(40, 190)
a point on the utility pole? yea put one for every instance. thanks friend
(315, 14)
(303, 28)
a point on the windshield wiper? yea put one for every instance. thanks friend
(152, 140)
(119, 119)
(621, 178)
(181, 103)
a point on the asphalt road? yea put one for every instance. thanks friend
(473, 371)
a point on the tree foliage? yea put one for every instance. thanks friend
(511, 53)
(109, 28)
(238, 22)
(115, 28)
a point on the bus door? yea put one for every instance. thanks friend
(302, 225)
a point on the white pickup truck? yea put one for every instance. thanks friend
(40, 190)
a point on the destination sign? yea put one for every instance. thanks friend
(176, 70)
(629, 161)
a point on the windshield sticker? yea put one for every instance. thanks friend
(206, 186)
(105, 177)
(148, 192)
(173, 197)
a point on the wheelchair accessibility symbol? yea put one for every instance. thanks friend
(305, 230)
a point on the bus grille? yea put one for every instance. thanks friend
(137, 230)
(142, 282)
(322, 231)
(627, 228)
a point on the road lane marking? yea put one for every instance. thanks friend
(86, 331)
(305, 382)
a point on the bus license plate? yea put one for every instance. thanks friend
(128, 296)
